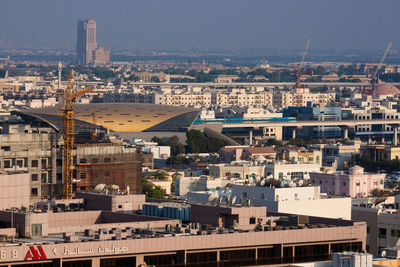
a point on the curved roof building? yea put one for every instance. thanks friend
(385, 89)
(120, 117)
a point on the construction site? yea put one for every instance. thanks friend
(64, 155)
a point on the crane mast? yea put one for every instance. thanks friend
(373, 77)
(298, 76)
(68, 135)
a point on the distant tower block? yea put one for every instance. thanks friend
(7, 66)
(59, 74)
(204, 66)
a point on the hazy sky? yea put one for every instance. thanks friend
(169, 24)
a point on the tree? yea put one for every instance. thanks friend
(155, 79)
(152, 191)
(197, 142)
(272, 142)
(379, 195)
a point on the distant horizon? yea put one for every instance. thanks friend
(185, 25)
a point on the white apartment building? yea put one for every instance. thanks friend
(282, 170)
(159, 152)
(302, 96)
(184, 185)
(294, 200)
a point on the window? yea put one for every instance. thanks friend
(320, 182)
(20, 163)
(6, 148)
(252, 220)
(82, 188)
(36, 229)
(358, 184)
(382, 232)
(34, 177)
(34, 192)
(59, 176)
(83, 175)
(296, 197)
(227, 174)
(82, 160)
(7, 164)
(59, 162)
(120, 206)
(277, 198)
(395, 233)
(44, 163)
(34, 163)
(367, 229)
(344, 183)
(95, 160)
(44, 177)
(381, 182)
(107, 159)
(107, 174)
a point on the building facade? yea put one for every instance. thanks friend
(355, 184)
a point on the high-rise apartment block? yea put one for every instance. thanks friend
(86, 47)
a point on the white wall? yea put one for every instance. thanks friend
(275, 169)
(295, 200)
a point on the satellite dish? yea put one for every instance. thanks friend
(99, 188)
(213, 196)
(383, 253)
(262, 183)
(114, 187)
(301, 182)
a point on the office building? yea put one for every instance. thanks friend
(86, 47)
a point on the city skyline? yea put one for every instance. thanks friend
(206, 25)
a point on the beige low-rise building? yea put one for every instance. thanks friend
(14, 190)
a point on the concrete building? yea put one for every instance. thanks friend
(380, 152)
(355, 184)
(112, 202)
(86, 41)
(159, 152)
(184, 185)
(311, 111)
(281, 170)
(244, 217)
(383, 224)
(295, 200)
(237, 153)
(300, 155)
(239, 169)
(110, 164)
(338, 156)
(86, 45)
(32, 150)
(283, 99)
(118, 239)
(14, 190)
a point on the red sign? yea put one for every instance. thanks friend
(35, 253)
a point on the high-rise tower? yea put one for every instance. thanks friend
(86, 41)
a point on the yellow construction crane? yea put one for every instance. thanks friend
(68, 135)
